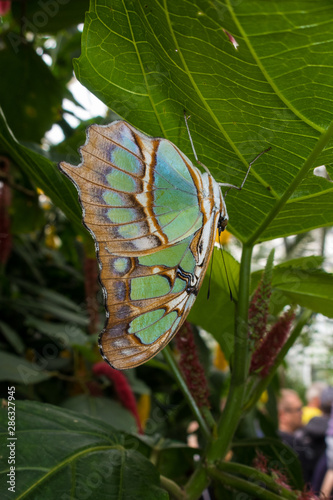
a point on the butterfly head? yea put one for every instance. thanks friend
(223, 219)
(222, 223)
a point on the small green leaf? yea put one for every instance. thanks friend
(12, 337)
(41, 306)
(16, 369)
(301, 281)
(49, 294)
(310, 262)
(66, 334)
(311, 289)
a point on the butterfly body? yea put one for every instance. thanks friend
(153, 216)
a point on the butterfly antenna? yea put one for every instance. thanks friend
(226, 273)
(186, 118)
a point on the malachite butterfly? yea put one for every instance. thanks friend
(153, 216)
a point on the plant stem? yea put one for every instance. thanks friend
(243, 485)
(233, 409)
(264, 382)
(188, 396)
(197, 483)
(173, 488)
(256, 475)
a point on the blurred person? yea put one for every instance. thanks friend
(314, 434)
(289, 415)
(327, 484)
(313, 398)
(290, 422)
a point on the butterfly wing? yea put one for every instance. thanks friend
(153, 216)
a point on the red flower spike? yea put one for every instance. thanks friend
(260, 462)
(309, 495)
(258, 310)
(122, 388)
(258, 313)
(191, 367)
(269, 348)
(281, 478)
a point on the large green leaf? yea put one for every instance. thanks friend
(149, 60)
(61, 454)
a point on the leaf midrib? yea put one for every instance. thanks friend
(68, 461)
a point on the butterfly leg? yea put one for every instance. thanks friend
(223, 184)
(232, 186)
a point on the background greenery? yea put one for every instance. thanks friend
(148, 61)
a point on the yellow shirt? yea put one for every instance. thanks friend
(310, 412)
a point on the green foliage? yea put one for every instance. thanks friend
(19, 370)
(148, 61)
(50, 17)
(42, 172)
(35, 110)
(102, 408)
(88, 456)
(297, 281)
(309, 287)
(275, 451)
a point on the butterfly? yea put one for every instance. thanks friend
(153, 216)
